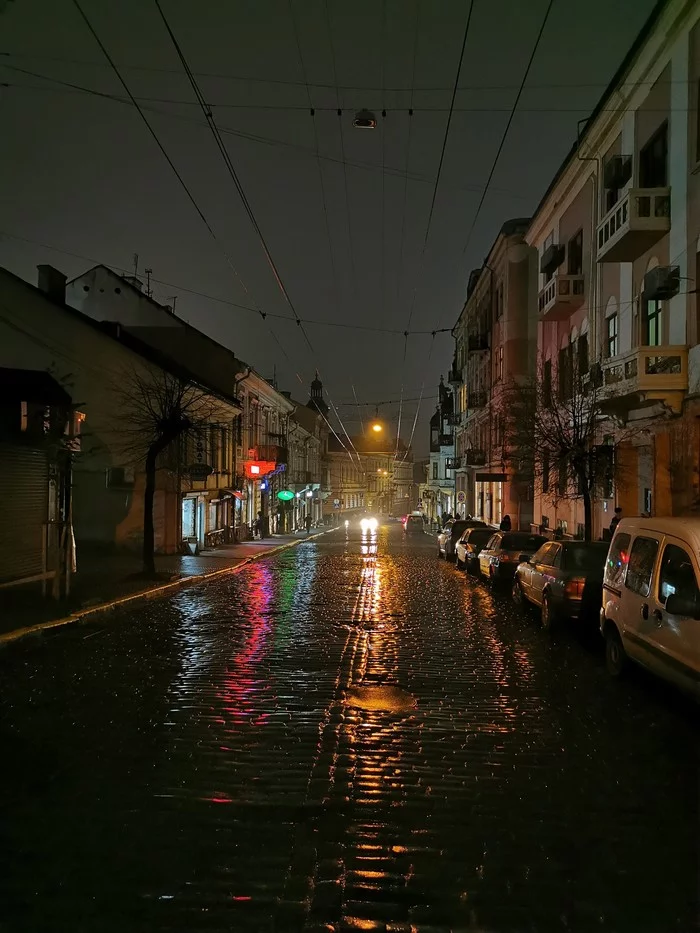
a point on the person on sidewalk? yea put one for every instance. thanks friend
(616, 520)
(307, 523)
(506, 524)
(260, 526)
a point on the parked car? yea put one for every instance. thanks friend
(413, 524)
(452, 532)
(468, 548)
(651, 599)
(563, 578)
(504, 551)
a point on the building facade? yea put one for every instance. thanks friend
(439, 496)
(495, 345)
(617, 241)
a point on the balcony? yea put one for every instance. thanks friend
(638, 220)
(454, 376)
(476, 399)
(453, 463)
(645, 375)
(477, 342)
(272, 453)
(561, 296)
(446, 440)
(475, 457)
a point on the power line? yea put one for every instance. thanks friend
(508, 124)
(246, 204)
(253, 137)
(250, 79)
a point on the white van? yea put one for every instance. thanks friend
(651, 599)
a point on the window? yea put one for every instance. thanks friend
(676, 576)
(498, 365)
(653, 323)
(547, 383)
(565, 372)
(653, 160)
(641, 565)
(574, 254)
(612, 339)
(435, 470)
(562, 479)
(582, 354)
(499, 301)
(547, 555)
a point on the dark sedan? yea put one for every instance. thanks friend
(503, 552)
(564, 578)
(452, 532)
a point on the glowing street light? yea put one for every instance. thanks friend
(377, 428)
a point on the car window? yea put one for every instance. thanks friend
(492, 542)
(585, 556)
(545, 554)
(617, 560)
(676, 576)
(641, 565)
(458, 527)
(521, 542)
(478, 537)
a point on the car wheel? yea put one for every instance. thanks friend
(615, 657)
(518, 595)
(548, 614)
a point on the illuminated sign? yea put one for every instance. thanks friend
(285, 495)
(256, 469)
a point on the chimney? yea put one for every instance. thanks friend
(52, 283)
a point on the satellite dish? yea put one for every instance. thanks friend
(365, 120)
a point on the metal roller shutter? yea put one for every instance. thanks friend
(24, 475)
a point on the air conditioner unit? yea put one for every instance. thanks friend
(552, 258)
(617, 172)
(662, 283)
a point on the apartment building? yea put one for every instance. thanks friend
(495, 344)
(616, 236)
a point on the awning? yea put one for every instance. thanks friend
(233, 492)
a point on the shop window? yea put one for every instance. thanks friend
(653, 160)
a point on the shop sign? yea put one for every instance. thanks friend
(285, 495)
(199, 471)
(256, 469)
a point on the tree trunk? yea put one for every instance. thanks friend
(149, 561)
(587, 514)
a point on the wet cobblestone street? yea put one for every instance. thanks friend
(346, 736)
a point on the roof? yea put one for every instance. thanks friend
(616, 80)
(32, 385)
(126, 339)
(686, 527)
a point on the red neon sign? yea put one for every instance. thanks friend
(256, 469)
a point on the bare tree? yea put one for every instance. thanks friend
(156, 410)
(560, 430)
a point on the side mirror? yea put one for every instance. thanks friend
(678, 605)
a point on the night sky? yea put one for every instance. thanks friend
(82, 181)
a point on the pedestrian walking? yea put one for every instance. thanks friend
(506, 524)
(616, 520)
(307, 522)
(260, 525)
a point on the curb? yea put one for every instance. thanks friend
(153, 592)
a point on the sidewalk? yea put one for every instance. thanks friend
(103, 578)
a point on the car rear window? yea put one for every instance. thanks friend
(521, 542)
(458, 527)
(585, 556)
(479, 536)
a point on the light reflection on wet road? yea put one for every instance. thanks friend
(343, 737)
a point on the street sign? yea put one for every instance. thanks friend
(461, 497)
(285, 495)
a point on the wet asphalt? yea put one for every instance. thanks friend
(347, 736)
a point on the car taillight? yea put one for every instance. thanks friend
(575, 588)
(504, 557)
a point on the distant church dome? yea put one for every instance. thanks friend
(317, 401)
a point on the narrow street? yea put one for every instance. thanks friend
(346, 736)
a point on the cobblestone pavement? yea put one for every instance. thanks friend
(346, 736)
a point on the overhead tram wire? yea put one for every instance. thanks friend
(216, 298)
(162, 148)
(508, 125)
(246, 204)
(339, 111)
(432, 209)
(403, 215)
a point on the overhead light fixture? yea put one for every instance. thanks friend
(365, 120)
